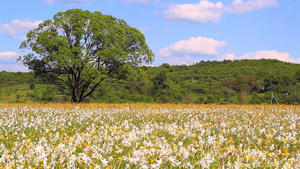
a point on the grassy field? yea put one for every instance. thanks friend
(149, 136)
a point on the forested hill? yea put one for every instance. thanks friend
(220, 82)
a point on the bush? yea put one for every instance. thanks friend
(201, 100)
(161, 99)
(255, 99)
(29, 95)
(187, 100)
(209, 99)
(18, 96)
(48, 95)
(178, 97)
(32, 86)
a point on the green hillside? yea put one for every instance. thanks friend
(220, 82)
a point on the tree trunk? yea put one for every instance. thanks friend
(74, 96)
(74, 100)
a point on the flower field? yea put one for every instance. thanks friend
(149, 136)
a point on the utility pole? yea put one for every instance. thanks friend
(273, 97)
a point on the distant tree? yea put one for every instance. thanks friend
(165, 65)
(271, 82)
(209, 99)
(32, 85)
(178, 97)
(83, 49)
(137, 81)
(201, 100)
(255, 99)
(29, 94)
(36, 94)
(297, 76)
(160, 83)
(18, 96)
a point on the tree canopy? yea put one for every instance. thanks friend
(82, 49)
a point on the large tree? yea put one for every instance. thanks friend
(82, 49)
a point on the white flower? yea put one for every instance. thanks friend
(206, 161)
(104, 162)
(39, 149)
(180, 143)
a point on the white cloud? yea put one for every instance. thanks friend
(10, 55)
(199, 45)
(65, 1)
(138, 1)
(239, 6)
(18, 26)
(228, 56)
(8, 62)
(265, 54)
(186, 60)
(206, 11)
(48, 1)
(13, 68)
(202, 12)
(145, 29)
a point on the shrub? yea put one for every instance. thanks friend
(201, 100)
(48, 95)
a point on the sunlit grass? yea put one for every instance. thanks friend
(149, 136)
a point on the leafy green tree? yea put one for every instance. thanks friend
(160, 83)
(255, 99)
(295, 98)
(297, 76)
(31, 85)
(35, 94)
(209, 99)
(165, 65)
(178, 97)
(0, 92)
(137, 82)
(29, 94)
(201, 100)
(83, 49)
(18, 96)
(271, 82)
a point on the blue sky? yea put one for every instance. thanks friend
(177, 31)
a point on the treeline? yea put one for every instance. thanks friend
(219, 82)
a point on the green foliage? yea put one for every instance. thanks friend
(178, 97)
(239, 82)
(297, 76)
(213, 99)
(29, 94)
(139, 98)
(201, 100)
(255, 99)
(161, 99)
(160, 86)
(48, 95)
(32, 85)
(209, 99)
(36, 94)
(18, 96)
(1, 92)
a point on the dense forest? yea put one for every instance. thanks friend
(219, 82)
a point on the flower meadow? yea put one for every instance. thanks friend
(149, 136)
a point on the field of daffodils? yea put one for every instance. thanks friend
(149, 136)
